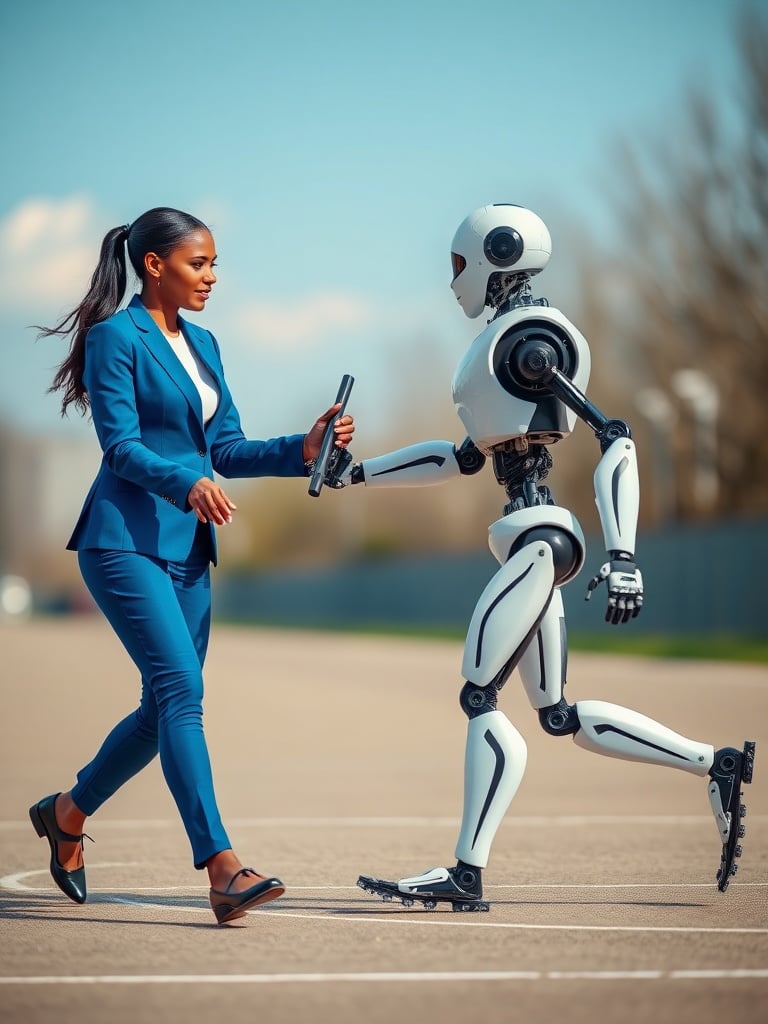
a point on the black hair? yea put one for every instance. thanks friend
(160, 230)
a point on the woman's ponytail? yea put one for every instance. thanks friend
(102, 299)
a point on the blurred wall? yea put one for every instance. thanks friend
(698, 580)
(43, 482)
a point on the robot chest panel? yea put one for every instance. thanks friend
(492, 409)
(489, 413)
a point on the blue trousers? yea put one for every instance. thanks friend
(161, 612)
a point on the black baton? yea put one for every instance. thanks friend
(326, 448)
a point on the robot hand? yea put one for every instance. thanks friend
(339, 471)
(625, 589)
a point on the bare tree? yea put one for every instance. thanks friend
(694, 214)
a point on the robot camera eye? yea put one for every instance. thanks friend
(503, 247)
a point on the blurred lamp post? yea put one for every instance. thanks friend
(15, 598)
(700, 392)
(660, 413)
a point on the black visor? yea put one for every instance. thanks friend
(458, 263)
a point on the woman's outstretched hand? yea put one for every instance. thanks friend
(209, 503)
(343, 429)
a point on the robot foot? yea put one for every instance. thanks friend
(461, 886)
(729, 769)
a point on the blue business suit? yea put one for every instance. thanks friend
(148, 418)
(145, 557)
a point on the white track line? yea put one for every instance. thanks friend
(14, 883)
(385, 976)
(354, 888)
(556, 821)
(433, 919)
(469, 921)
(430, 919)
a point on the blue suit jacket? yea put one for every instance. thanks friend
(148, 417)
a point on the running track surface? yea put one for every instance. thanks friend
(338, 755)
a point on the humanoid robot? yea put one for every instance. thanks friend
(518, 390)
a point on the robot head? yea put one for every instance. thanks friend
(492, 248)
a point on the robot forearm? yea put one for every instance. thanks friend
(430, 462)
(617, 495)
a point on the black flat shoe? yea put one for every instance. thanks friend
(42, 816)
(230, 905)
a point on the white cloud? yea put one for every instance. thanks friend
(300, 322)
(48, 251)
(49, 248)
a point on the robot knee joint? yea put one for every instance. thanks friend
(560, 719)
(478, 700)
(567, 555)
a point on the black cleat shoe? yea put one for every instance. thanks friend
(729, 769)
(461, 886)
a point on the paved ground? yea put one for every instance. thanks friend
(335, 756)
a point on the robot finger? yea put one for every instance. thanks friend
(619, 608)
(595, 582)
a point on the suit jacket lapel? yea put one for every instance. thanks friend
(157, 344)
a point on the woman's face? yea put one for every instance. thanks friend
(187, 274)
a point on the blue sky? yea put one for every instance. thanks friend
(333, 147)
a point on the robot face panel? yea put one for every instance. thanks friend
(494, 239)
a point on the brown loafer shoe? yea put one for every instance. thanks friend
(227, 906)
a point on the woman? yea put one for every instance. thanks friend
(145, 538)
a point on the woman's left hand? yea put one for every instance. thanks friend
(344, 428)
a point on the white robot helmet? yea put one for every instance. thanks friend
(496, 245)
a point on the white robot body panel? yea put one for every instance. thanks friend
(617, 495)
(507, 612)
(491, 406)
(618, 732)
(430, 462)
(503, 533)
(495, 751)
(723, 818)
(543, 665)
